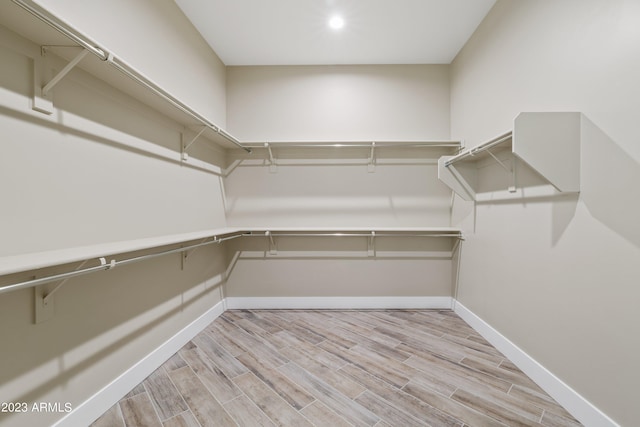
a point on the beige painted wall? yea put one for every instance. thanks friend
(558, 275)
(155, 38)
(339, 267)
(71, 179)
(338, 103)
(312, 188)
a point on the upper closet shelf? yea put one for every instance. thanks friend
(548, 142)
(42, 100)
(357, 144)
(274, 154)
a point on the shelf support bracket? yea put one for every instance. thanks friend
(49, 296)
(272, 244)
(186, 253)
(511, 171)
(44, 300)
(465, 186)
(56, 79)
(371, 247)
(41, 72)
(371, 166)
(273, 165)
(185, 147)
(226, 172)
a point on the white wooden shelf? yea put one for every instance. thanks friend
(346, 153)
(548, 142)
(371, 234)
(32, 261)
(352, 229)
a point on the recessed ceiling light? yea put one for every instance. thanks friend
(336, 22)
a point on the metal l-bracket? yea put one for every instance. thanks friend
(511, 170)
(42, 312)
(43, 300)
(49, 296)
(371, 247)
(463, 183)
(54, 81)
(512, 187)
(371, 166)
(186, 253)
(273, 165)
(41, 72)
(498, 160)
(185, 147)
(272, 244)
(226, 172)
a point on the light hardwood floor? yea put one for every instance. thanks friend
(337, 368)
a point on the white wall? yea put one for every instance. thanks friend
(72, 179)
(338, 103)
(558, 275)
(333, 187)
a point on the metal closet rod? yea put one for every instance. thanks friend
(353, 234)
(356, 144)
(109, 265)
(480, 148)
(101, 53)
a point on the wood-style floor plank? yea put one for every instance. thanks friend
(402, 400)
(175, 362)
(292, 393)
(202, 403)
(320, 415)
(166, 399)
(211, 375)
(492, 409)
(337, 368)
(332, 377)
(459, 375)
(111, 418)
(269, 402)
(457, 410)
(348, 408)
(549, 419)
(388, 412)
(246, 413)
(138, 411)
(135, 391)
(218, 355)
(185, 419)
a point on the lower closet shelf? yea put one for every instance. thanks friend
(34, 261)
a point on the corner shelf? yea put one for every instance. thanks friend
(548, 142)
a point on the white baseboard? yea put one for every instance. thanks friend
(343, 303)
(578, 406)
(88, 411)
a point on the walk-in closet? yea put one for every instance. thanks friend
(350, 213)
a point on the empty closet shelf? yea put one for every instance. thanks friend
(32, 261)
